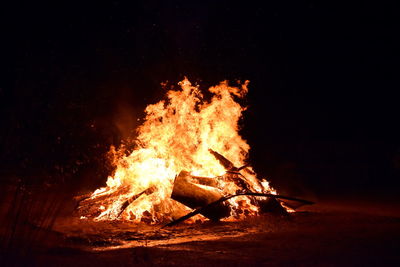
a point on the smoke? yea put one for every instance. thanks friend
(126, 119)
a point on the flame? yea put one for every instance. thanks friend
(177, 134)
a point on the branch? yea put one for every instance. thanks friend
(200, 210)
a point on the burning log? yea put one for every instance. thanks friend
(233, 173)
(272, 205)
(200, 192)
(197, 195)
(207, 181)
(92, 207)
(228, 165)
(223, 199)
(148, 191)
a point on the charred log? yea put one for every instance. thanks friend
(228, 165)
(195, 196)
(213, 182)
(272, 205)
(148, 191)
(232, 171)
(238, 179)
(91, 207)
(223, 199)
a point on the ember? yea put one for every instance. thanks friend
(188, 154)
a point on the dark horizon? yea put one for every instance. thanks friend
(323, 102)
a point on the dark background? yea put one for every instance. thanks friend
(323, 107)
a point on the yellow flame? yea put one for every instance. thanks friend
(176, 135)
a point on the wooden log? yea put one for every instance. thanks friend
(90, 207)
(238, 179)
(233, 174)
(88, 201)
(196, 196)
(223, 199)
(271, 205)
(127, 202)
(213, 182)
(228, 165)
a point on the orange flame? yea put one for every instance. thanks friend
(176, 135)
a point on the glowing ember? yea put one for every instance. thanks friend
(181, 133)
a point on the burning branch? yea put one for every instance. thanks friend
(223, 199)
(148, 191)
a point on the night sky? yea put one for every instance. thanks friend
(323, 102)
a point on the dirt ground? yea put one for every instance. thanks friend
(329, 233)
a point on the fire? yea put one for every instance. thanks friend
(179, 134)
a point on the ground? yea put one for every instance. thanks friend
(336, 232)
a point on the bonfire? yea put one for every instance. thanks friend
(188, 158)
